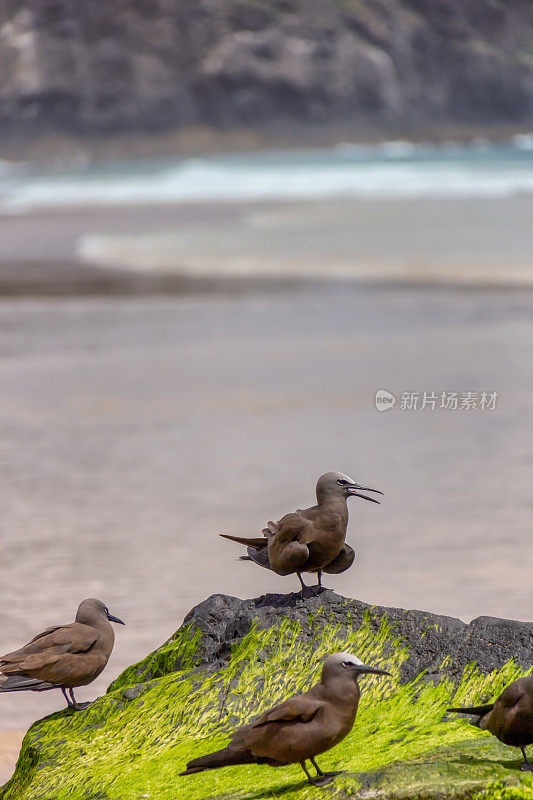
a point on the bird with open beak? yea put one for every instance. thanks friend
(310, 539)
(300, 728)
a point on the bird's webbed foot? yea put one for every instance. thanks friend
(320, 780)
(311, 591)
(82, 706)
(321, 774)
(333, 774)
(527, 767)
(72, 703)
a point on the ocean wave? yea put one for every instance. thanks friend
(391, 170)
(523, 141)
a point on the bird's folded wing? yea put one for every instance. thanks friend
(297, 709)
(74, 638)
(31, 647)
(290, 527)
(45, 633)
(31, 663)
(343, 561)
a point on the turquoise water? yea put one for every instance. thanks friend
(389, 170)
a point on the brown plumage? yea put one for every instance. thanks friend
(63, 656)
(300, 728)
(309, 539)
(510, 717)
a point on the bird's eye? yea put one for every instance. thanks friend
(342, 482)
(106, 610)
(347, 664)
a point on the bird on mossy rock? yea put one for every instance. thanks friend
(509, 718)
(310, 539)
(300, 728)
(63, 656)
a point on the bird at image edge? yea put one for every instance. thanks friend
(63, 656)
(509, 718)
(310, 539)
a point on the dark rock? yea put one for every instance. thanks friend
(489, 640)
(431, 638)
(133, 692)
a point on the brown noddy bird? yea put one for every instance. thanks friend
(300, 728)
(310, 539)
(510, 717)
(63, 656)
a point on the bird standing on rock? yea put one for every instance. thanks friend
(310, 539)
(510, 717)
(63, 656)
(300, 728)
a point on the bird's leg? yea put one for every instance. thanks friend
(527, 766)
(306, 591)
(311, 591)
(320, 588)
(75, 705)
(320, 780)
(65, 695)
(325, 774)
(315, 765)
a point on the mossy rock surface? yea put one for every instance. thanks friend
(232, 659)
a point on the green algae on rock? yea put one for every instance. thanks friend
(232, 659)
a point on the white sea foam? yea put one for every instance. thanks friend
(390, 170)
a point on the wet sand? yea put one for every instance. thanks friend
(236, 246)
(133, 430)
(10, 742)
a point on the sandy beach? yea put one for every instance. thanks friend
(10, 742)
(226, 246)
(136, 428)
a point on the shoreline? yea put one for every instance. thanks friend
(268, 247)
(54, 147)
(71, 280)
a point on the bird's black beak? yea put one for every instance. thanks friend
(363, 670)
(354, 489)
(111, 618)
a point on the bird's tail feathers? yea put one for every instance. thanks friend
(222, 758)
(257, 549)
(259, 557)
(478, 711)
(270, 530)
(24, 683)
(257, 543)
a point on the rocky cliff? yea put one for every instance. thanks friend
(155, 65)
(233, 658)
